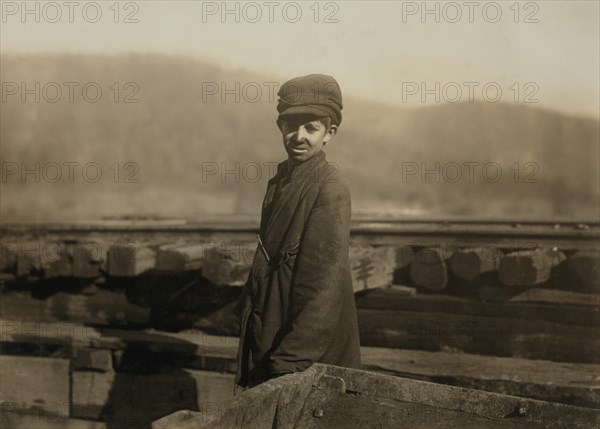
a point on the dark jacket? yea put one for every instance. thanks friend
(299, 308)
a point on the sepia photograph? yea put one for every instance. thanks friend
(299, 214)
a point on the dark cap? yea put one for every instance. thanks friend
(313, 94)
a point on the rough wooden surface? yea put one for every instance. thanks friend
(583, 268)
(371, 267)
(30, 420)
(197, 350)
(91, 393)
(91, 305)
(340, 402)
(559, 297)
(429, 269)
(276, 403)
(469, 264)
(22, 390)
(87, 260)
(492, 336)
(330, 409)
(565, 308)
(130, 259)
(88, 358)
(181, 258)
(484, 404)
(575, 384)
(227, 265)
(529, 267)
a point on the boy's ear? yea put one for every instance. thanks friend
(331, 132)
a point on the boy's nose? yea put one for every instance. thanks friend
(301, 133)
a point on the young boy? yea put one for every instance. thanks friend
(298, 306)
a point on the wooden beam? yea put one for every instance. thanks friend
(583, 269)
(87, 259)
(60, 263)
(564, 311)
(23, 389)
(93, 305)
(561, 298)
(228, 264)
(428, 269)
(568, 383)
(528, 267)
(493, 336)
(181, 258)
(372, 267)
(468, 264)
(129, 259)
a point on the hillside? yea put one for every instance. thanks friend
(173, 137)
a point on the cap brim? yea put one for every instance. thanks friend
(305, 110)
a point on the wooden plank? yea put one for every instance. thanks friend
(129, 259)
(428, 269)
(227, 264)
(213, 390)
(60, 262)
(181, 258)
(87, 259)
(91, 394)
(372, 267)
(492, 406)
(402, 290)
(405, 254)
(492, 336)
(330, 409)
(87, 358)
(567, 309)
(29, 258)
(528, 267)
(188, 343)
(561, 297)
(469, 264)
(569, 383)
(8, 256)
(136, 400)
(36, 420)
(263, 406)
(583, 269)
(498, 293)
(93, 305)
(276, 403)
(38, 384)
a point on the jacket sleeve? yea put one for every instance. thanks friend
(318, 283)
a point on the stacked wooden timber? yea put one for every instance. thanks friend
(509, 316)
(431, 268)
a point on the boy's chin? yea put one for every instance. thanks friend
(299, 157)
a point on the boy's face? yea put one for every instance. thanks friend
(304, 136)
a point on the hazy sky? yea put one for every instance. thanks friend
(378, 50)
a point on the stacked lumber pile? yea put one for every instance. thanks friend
(509, 318)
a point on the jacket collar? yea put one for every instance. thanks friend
(287, 170)
(299, 172)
